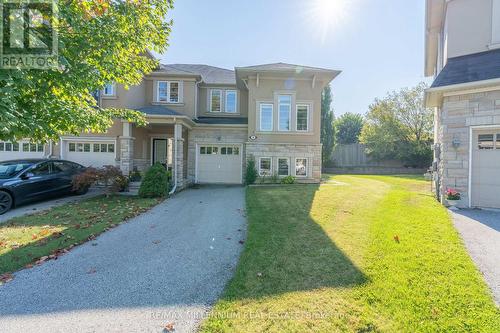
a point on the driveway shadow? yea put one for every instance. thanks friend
(488, 218)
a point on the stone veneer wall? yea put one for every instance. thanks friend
(291, 151)
(213, 136)
(457, 115)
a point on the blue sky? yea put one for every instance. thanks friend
(377, 44)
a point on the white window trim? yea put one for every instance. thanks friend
(295, 167)
(113, 90)
(260, 117)
(495, 25)
(270, 166)
(210, 100)
(278, 166)
(225, 101)
(297, 115)
(289, 114)
(179, 92)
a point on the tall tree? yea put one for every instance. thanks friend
(400, 127)
(348, 128)
(327, 129)
(100, 41)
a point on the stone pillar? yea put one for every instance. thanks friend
(179, 156)
(127, 149)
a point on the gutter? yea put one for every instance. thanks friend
(437, 92)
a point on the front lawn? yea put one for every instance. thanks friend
(24, 240)
(359, 254)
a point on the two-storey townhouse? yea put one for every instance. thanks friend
(463, 53)
(205, 122)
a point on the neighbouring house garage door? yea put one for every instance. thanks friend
(88, 153)
(486, 169)
(20, 150)
(219, 164)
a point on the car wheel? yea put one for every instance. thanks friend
(81, 191)
(5, 202)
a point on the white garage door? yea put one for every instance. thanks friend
(219, 164)
(88, 153)
(486, 169)
(20, 150)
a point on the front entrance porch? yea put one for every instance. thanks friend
(163, 141)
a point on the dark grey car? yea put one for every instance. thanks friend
(23, 181)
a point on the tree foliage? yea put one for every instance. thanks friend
(100, 41)
(400, 127)
(327, 129)
(348, 128)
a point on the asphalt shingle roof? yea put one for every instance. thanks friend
(158, 110)
(469, 68)
(209, 74)
(222, 120)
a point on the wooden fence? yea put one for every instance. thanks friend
(352, 158)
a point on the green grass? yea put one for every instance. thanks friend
(24, 240)
(325, 259)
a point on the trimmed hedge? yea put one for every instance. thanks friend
(155, 183)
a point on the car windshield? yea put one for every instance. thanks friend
(10, 169)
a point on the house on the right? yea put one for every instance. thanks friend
(462, 52)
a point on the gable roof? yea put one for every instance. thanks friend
(469, 68)
(281, 66)
(209, 74)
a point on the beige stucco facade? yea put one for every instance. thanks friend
(186, 127)
(459, 27)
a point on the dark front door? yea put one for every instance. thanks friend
(160, 147)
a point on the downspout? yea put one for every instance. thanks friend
(175, 162)
(196, 86)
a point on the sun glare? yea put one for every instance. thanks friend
(328, 15)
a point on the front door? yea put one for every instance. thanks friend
(160, 151)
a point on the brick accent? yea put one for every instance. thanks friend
(291, 151)
(126, 154)
(457, 115)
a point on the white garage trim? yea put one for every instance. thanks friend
(197, 147)
(471, 140)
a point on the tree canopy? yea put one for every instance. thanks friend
(327, 129)
(400, 127)
(100, 41)
(348, 128)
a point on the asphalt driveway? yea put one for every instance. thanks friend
(39, 206)
(165, 266)
(480, 230)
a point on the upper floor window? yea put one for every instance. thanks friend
(169, 91)
(215, 100)
(285, 108)
(109, 89)
(230, 105)
(266, 117)
(302, 121)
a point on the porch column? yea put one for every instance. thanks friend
(127, 149)
(179, 155)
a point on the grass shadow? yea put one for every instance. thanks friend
(286, 249)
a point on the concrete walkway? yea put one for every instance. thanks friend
(40, 206)
(166, 266)
(480, 230)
